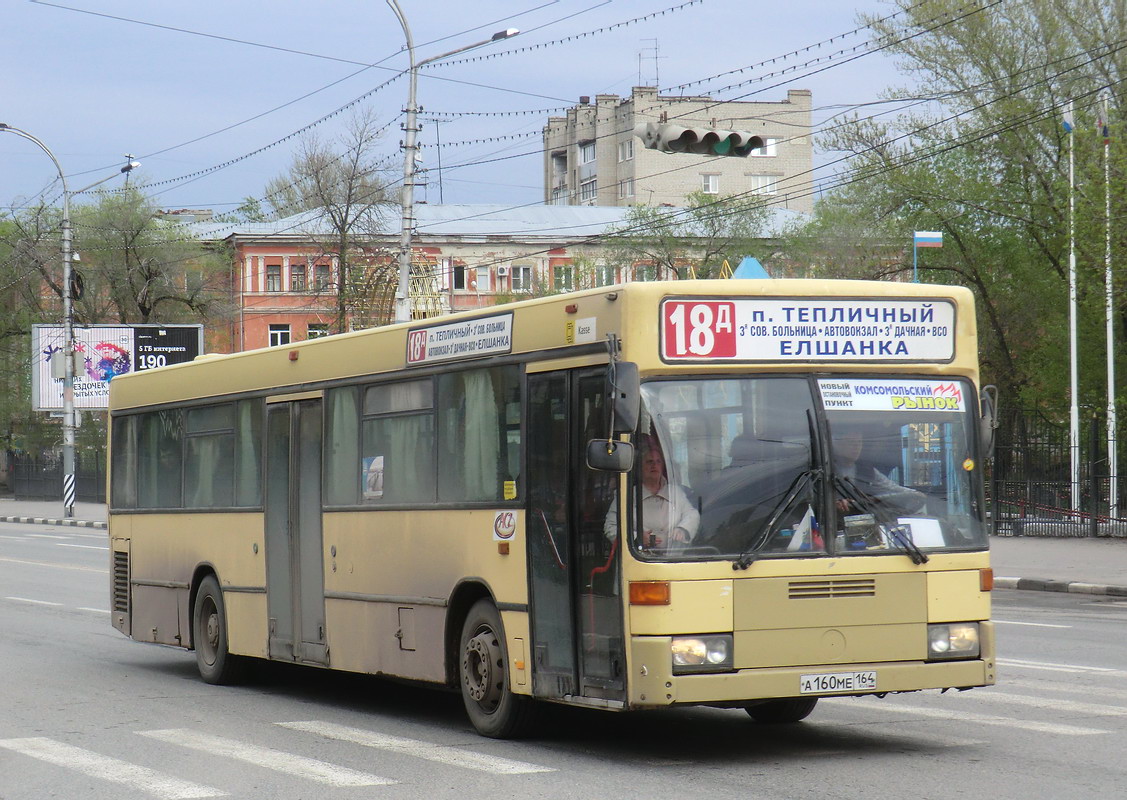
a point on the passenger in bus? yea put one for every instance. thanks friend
(669, 520)
(848, 446)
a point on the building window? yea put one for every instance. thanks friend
(482, 277)
(459, 276)
(626, 149)
(316, 330)
(626, 187)
(273, 277)
(297, 277)
(768, 148)
(560, 196)
(710, 184)
(522, 279)
(563, 278)
(604, 275)
(279, 335)
(588, 190)
(764, 184)
(586, 152)
(645, 272)
(324, 280)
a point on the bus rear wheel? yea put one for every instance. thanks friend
(484, 676)
(209, 636)
(781, 712)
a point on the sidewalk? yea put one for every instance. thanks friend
(47, 512)
(1089, 566)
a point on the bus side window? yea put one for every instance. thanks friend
(475, 440)
(397, 442)
(342, 446)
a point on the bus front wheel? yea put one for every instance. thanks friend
(781, 712)
(209, 636)
(484, 676)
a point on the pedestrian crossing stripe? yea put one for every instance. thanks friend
(96, 765)
(287, 763)
(443, 754)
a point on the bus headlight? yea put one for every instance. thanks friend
(953, 640)
(702, 653)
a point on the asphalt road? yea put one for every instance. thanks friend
(88, 713)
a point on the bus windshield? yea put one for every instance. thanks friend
(732, 468)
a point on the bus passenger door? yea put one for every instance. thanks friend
(295, 583)
(575, 607)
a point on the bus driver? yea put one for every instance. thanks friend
(669, 520)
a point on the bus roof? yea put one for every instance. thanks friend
(579, 322)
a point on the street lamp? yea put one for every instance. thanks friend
(407, 193)
(68, 317)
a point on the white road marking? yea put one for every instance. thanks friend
(951, 715)
(288, 763)
(96, 765)
(1053, 667)
(33, 602)
(442, 754)
(80, 568)
(1067, 688)
(1070, 706)
(46, 536)
(1030, 624)
(95, 610)
(83, 546)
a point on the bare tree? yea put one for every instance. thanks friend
(341, 189)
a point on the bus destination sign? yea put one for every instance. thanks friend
(471, 338)
(808, 329)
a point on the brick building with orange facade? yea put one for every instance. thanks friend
(284, 285)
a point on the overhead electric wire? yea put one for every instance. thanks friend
(946, 21)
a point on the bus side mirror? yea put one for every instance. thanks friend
(623, 393)
(610, 455)
(988, 420)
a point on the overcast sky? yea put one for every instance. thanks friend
(96, 79)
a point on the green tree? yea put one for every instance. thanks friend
(134, 268)
(988, 166)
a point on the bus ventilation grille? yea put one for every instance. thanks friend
(842, 587)
(121, 581)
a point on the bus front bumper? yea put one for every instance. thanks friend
(655, 685)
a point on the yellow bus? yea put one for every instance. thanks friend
(743, 493)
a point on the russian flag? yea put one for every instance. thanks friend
(928, 239)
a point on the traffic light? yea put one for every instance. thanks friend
(670, 138)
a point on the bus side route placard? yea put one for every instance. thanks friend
(472, 338)
(808, 329)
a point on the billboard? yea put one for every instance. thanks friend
(101, 352)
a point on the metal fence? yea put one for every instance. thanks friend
(41, 478)
(1031, 488)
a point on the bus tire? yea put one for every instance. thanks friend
(209, 636)
(782, 712)
(483, 673)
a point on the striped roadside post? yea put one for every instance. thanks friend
(68, 495)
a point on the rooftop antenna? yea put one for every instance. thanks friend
(656, 58)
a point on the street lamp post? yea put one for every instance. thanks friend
(68, 318)
(410, 148)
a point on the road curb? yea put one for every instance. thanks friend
(70, 523)
(1071, 587)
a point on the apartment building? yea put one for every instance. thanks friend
(593, 158)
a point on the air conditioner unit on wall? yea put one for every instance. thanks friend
(502, 272)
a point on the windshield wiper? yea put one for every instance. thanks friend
(800, 482)
(872, 505)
